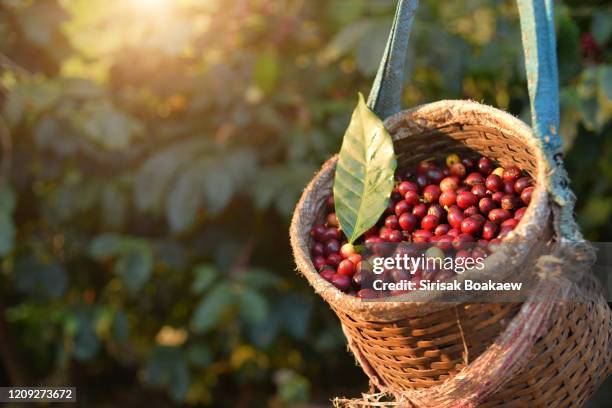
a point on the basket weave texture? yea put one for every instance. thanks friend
(428, 353)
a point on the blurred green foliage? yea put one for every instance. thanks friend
(152, 158)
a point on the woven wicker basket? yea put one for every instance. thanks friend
(406, 347)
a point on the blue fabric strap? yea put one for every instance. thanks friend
(539, 47)
(538, 31)
(386, 94)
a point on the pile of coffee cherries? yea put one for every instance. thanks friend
(448, 204)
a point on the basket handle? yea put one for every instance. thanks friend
(538, 37)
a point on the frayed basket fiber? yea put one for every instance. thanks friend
(552, 350)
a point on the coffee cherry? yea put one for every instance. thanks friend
(471, 210)
(466, 199)
(347, 250)
(458, 170)
(332, 246)
(342, 282)
(346, 267)
(411, 197)
(448, 198)
(401, 207)
(474, 178)
(430, 222)
(518, 214)
(419, 210)
(333, 260)
(479, 190)
(406, 186)
(422, 235)
(317, 249)
(442, 229)
(494, 182)
(407, 222)
(455, 218)
(449, 183)
(526, 195)
(390, 207)
(327, 273)
(367, 294)
(391, 222)
(332, 220)
(510, 202)
(499, 171)
(486, 204)
(332, 233)
(453, 232)
(462, 240)
(471, 225)
(373, 240)
(423, 166)
(508, 187)
(330, 202)
(489, 230)
(504, 231)
(383, 233)
(438, 211)
(444, 242)
(511, 174)
(499, 215)
(318, 231)
(355, 259)
(318, 262)
(511, 222)
(521, 184)
(435, 175)
(469, 164)
(452, 159)
(422, 181)
(431, 193)
(497, 196)
(395, 236)
(485, 166)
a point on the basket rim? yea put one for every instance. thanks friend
(429, 115)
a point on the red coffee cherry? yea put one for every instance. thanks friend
(449, 183)
(466, 199)
(487, 204)
(419, 210)
(494, 182)
(485, 166)
(431, 193)
(333, 260)
(474, 178)
(407, 222)
(346, 267)
(521, 184)
(510, 202)
(499, 215)
(430, 222)
(406, 186)
(442, 229)
(511, 174)
(318, 231)
(526, 195)
(411, 197)
(401, 207)
(458, 170)
(479, 190)
(391, 222)
(489, 230)
(342, 282)
(448, 198)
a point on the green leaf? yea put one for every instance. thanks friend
(205, 275)
(105, 246)
(211, 308)
(185, 199)
(199, 355)
(267, 69)
(168, 368)
(601, 26)
(86, 342)
(364, 174)
(8, 200)
(253, 306)
(135, 267)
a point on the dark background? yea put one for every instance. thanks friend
(152, 154)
